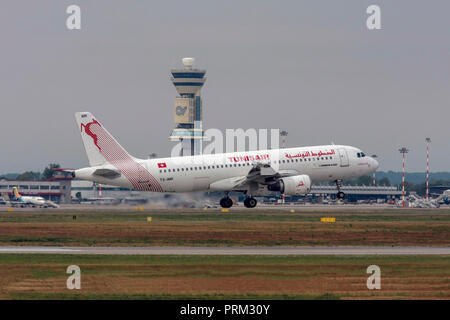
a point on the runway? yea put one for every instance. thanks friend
(230, 250)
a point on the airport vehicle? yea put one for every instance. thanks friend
(444, 198)
(289, 171)
(414, 201)
(32, 201)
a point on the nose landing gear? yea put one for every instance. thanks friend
(340, 194)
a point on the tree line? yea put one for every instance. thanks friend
(36, 175)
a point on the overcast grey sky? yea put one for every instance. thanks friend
(310, 67)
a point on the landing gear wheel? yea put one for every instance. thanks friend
(340, 194)
(226, 202)
(250, 202)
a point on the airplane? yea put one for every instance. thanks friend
(32, 200)
(289, 171)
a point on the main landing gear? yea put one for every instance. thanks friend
(340, 194)
(226, 202)
(250, 202)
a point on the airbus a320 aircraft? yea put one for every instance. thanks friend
(290, 171)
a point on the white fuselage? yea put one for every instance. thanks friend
(197, 173)
(38, 201)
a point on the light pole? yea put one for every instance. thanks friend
(403, 151)
(428, 140)
(284, 135)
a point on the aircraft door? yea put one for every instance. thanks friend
(343, 157)
(143, 174)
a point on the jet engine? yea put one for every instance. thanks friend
(293, 186)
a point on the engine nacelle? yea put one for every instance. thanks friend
(292, 186)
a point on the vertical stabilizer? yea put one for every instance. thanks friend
(16, 193)
(101, 147)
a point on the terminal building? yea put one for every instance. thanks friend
(355, 193)
(57, 189)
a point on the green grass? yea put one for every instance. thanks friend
(426, 261)
(75, 296)
(236, 215)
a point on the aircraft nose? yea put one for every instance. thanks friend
(375, 164)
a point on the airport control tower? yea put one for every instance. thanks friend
(188, 108)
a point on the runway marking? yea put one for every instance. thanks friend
(37, 249)
(232, 250)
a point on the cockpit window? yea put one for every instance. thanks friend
(360, 154)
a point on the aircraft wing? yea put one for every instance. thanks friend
(260, 173)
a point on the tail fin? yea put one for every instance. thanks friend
(101, 147)
(16, 192)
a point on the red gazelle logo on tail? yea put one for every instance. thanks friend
(87, 129)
